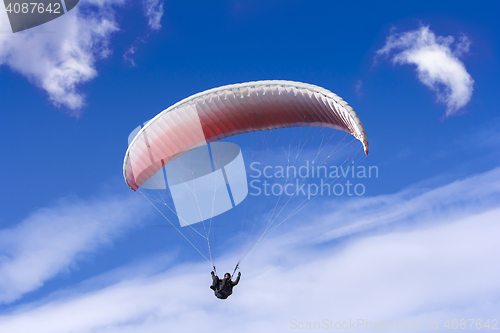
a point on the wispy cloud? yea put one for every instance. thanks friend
(153, 10)
(462, 197)
(488, 137)
(435, 262)
(437, 61)
(51, 240)
(132, 49)
(357, 88)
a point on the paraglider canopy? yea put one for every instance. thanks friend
(230, 110)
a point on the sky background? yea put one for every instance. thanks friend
(77, 250)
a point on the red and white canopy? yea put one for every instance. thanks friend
(230, 110)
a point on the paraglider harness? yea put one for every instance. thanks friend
(219, 293)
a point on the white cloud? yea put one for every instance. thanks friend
(52, 239)
(153, 10)
(61, 55)
(440, 266)
(462, 197)
(438, 65)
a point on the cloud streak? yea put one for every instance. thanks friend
(435, 262)
(52, 239)
(153, 10)
(438, 64)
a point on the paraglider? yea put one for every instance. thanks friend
(182, 162)
(223, 288)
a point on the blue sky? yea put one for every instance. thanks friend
(77, 250)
